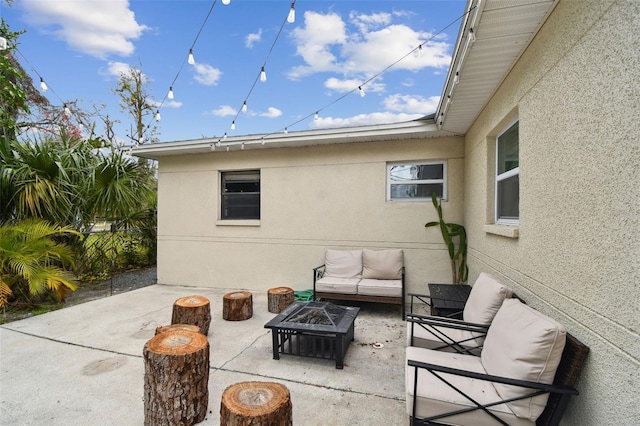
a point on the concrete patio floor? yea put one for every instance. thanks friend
(83, 365)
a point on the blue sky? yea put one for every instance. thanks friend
(80, 46)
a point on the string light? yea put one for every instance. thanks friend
(66, 111)
(316, 116)
(263, 141)
(233, 125)
(242, 145)
(291, 18)
(170, 94)
(43, 85)
(157, 116)
(224, 136)
(212, 147)
(191, 59)
(244, 106)
(361, 91)
(263, 75)
(3, 43)
(226, 2)
(286, 131)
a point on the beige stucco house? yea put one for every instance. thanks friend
(535, 147)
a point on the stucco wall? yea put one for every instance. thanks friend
(576, 92)
(312, 198)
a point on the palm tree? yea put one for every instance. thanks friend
(32, 262)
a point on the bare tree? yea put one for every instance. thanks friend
(136, 101)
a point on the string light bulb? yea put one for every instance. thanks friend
(242, 145)
(233, 125)
(263, 141)
(456, 78)
(191, 59)
(244, 106)
(212, 147)
(66, 110)
(43, 85)
(3, 43)
(226, 2)
(361, 91)
(158, 115)
(291, 18)
(170, 94)
(286, 131)
(224, 136)
(316, 117)
(263, 75)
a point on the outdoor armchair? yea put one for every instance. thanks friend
(524, 376)
(466, 335)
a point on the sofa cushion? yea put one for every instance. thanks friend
(343, 263)
(371, 287)
(436, 397)
(425, 336)
(338, 285)
(485, 299)
(523, 344)
(382, 264)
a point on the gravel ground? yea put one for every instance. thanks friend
(120, 283)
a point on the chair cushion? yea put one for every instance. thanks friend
(524, 344)
(338, 285)
(436, 397)
(485, 299)
(382, 264)
(343, 263)
(389, 288)
(423, 338)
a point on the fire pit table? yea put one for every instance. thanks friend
(313, 329)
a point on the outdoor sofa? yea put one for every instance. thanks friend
(361, 275)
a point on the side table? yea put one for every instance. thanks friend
(448, 300)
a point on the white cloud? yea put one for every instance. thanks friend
(348, 85)
(206, 74)
(224, 111)
(97, 28)
(362, 120)
(272, 112)
(314, 41)
(172, 104)
(253, 38)
(411, 104)
(367, 22)
(118, 68)
(325, 44)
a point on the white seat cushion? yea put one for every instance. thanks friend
(338, 285)
(523, 344)
(371, 287)
(436, 397)
(343, 263)
(485, 299)
(425, 339)
(382, 264)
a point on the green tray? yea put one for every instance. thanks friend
(303, 295)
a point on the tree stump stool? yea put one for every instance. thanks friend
(173, 327)
(237, 306)
(279, 298)
(256, 403)
(194, 310)
(176, 378)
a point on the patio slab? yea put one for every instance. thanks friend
(83, 364)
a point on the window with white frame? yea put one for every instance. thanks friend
(413, 181)
(508, 176)
(240, 195)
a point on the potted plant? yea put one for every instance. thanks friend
(451, 231)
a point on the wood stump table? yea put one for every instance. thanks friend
(173, 327)
(279, 298)
(237, 306)
(194, 310)
(176, 378)
(256, 403)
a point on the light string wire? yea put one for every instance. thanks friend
(49, 87)
(264, 64)
(204, 23)
(370, 78)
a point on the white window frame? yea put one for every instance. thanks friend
(442, 181)
(503, 176)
